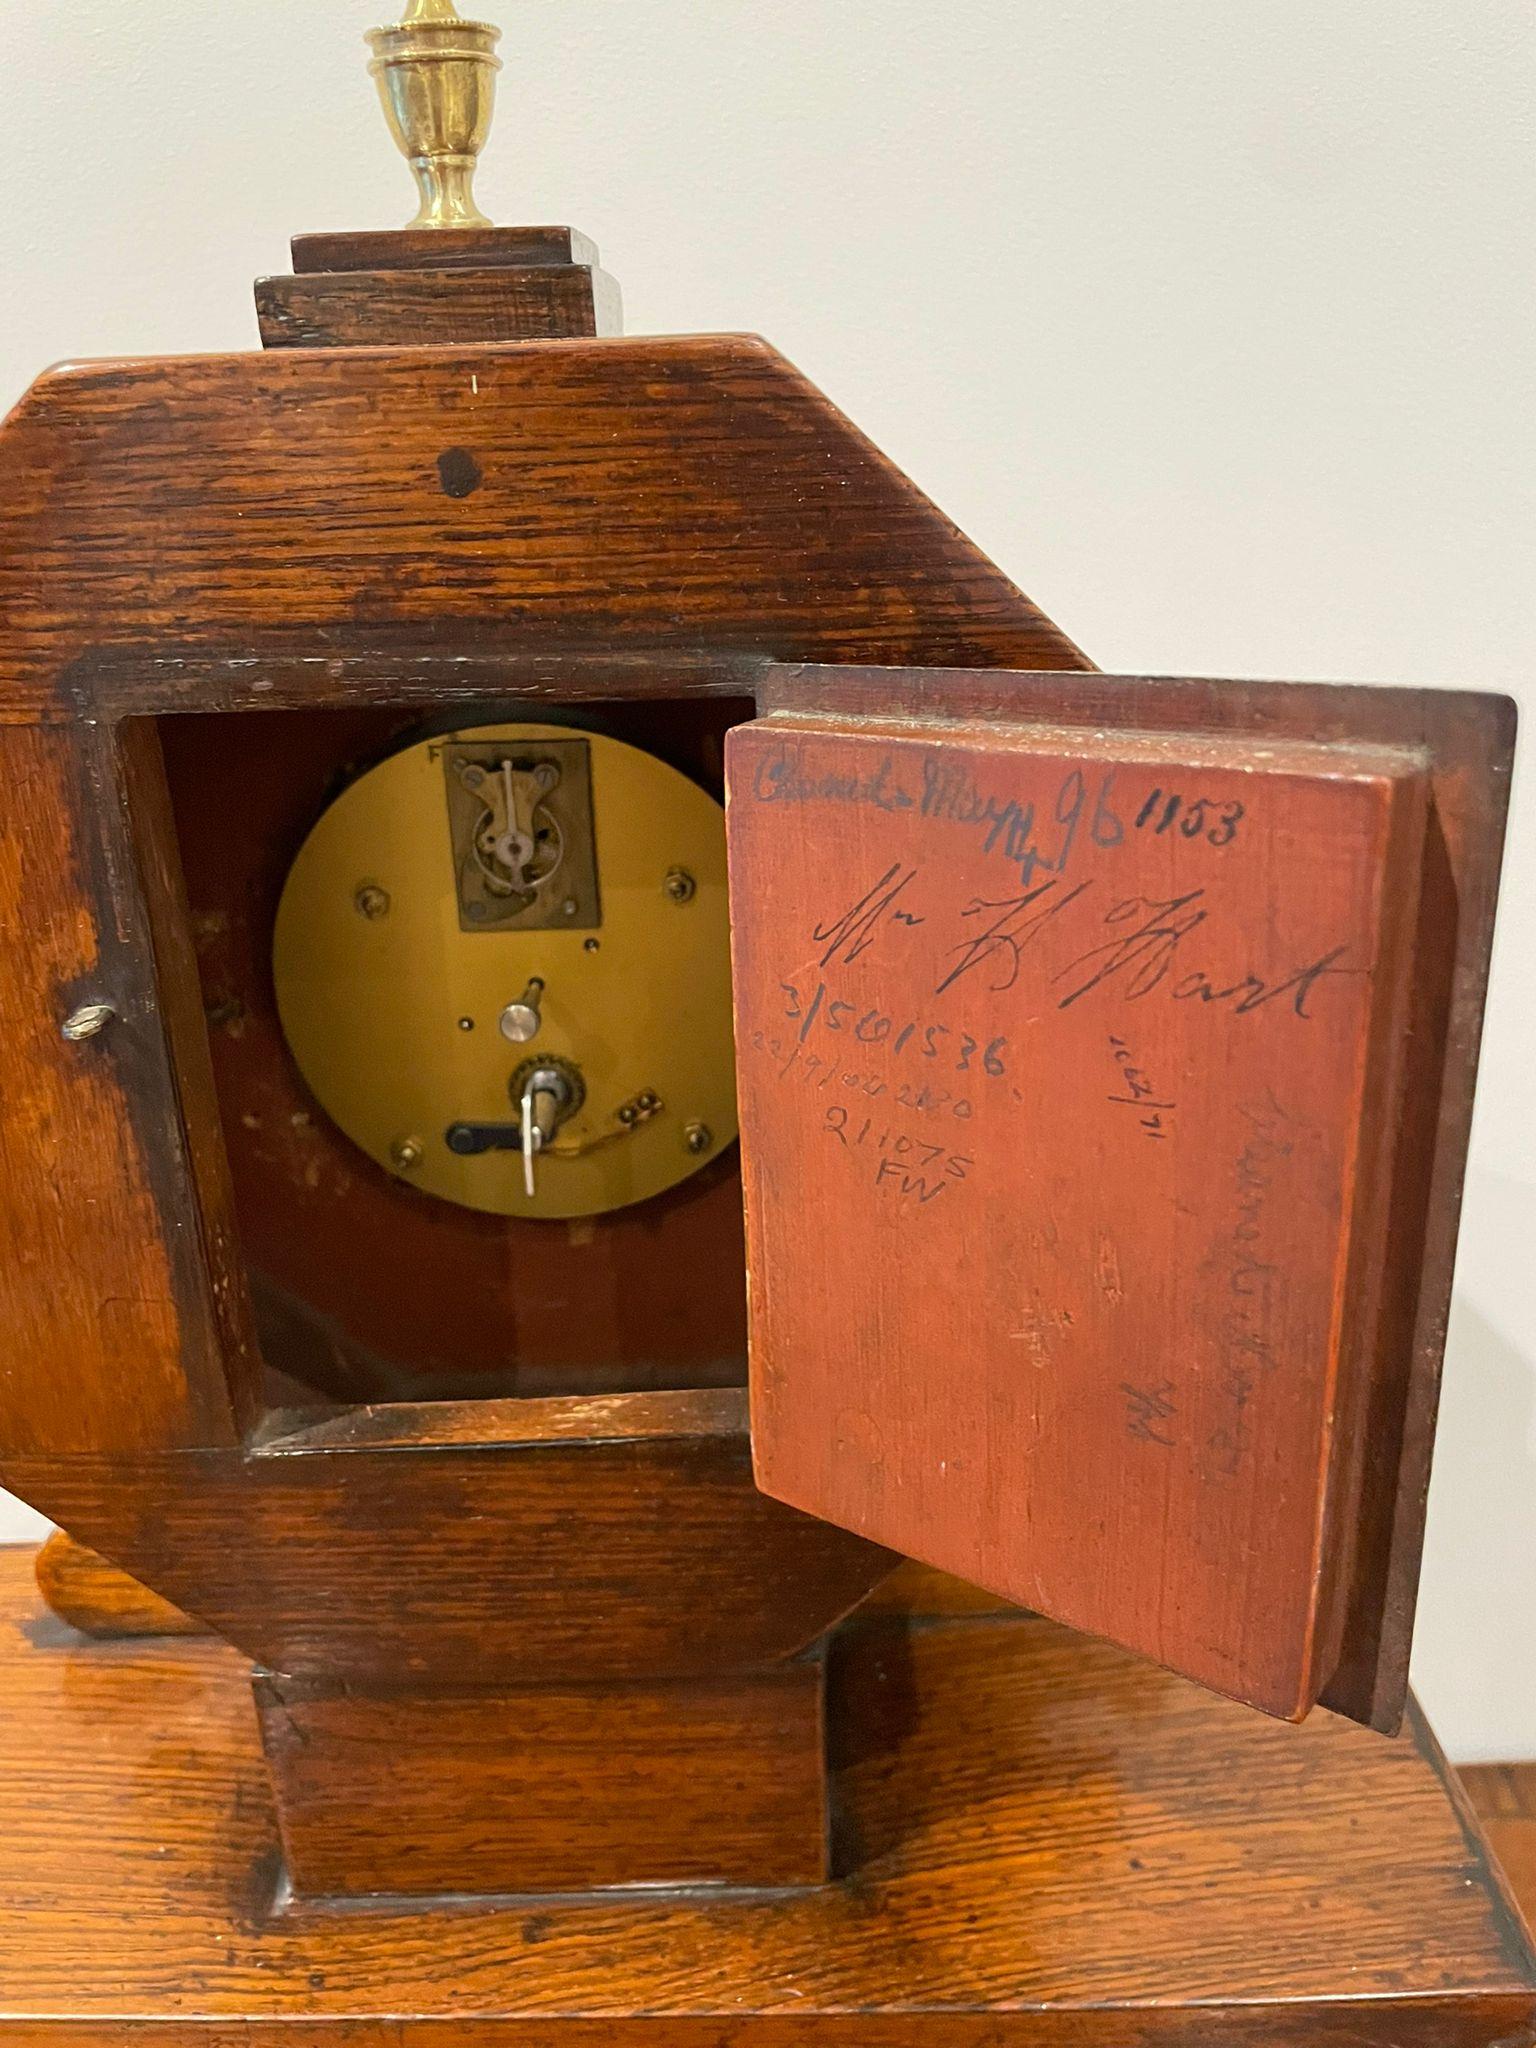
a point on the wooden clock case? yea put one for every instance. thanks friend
(523, 1625)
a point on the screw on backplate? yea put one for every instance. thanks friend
(371, 901)
(87, 1021)
(698, 1137)
(680, 886)
(407, 1153)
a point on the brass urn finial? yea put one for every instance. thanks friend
(437, 79)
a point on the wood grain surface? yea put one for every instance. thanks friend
(1047, 1845)
(515, 248)
(434, 308)
(97, 1598)
(634, 494)
(100, 1240)
(102, 1600)
(1503, 1797)
(414, 288)
(442, 1791)
(526, 1554)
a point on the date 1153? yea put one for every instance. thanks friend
(908, 1038)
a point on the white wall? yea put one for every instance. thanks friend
(1212, 322)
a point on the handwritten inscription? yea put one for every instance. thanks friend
(1138, 1093)
(1196, 817)
(1149, 1412)
(910, 1038)
(1009, 825)
(1039, 842)
(1251, 1283)
(1002, 931)
(905, 1168)
(782, 779)
(1030, 834)
(853, 933)
(811, 1070)
(1141, 956)
(1037, 834)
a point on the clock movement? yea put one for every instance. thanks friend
(521, 1003)
(710, 1259)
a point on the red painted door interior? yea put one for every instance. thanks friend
(1095, 1084)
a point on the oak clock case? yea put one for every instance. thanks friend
(462, 762)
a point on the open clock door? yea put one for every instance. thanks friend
(1106, 1053)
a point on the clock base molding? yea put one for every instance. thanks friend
(1037, 1841)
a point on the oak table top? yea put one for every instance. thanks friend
(1047, 1842)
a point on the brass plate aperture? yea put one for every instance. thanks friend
(426, 901)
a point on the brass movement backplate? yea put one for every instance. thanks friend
(493, 902)
(523, 845)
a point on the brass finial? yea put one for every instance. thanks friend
(437, 79)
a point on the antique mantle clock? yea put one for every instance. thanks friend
(607, 1034)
